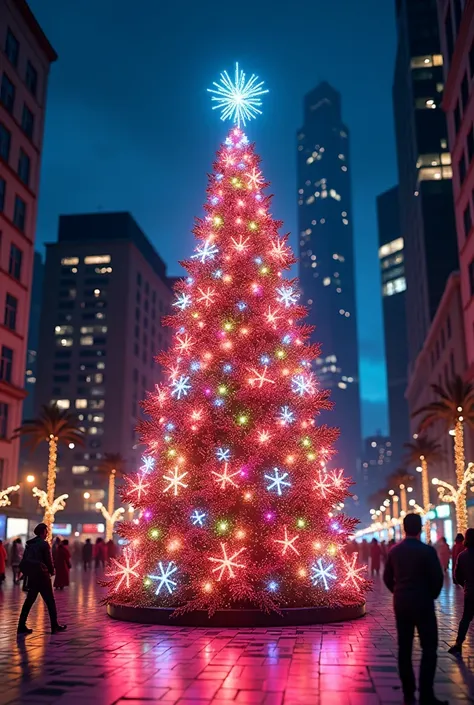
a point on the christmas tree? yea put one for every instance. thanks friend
(238, 506)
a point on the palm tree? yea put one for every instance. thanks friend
(111, 467)
(55, 426)
(422, 450)
(401, 480)
(454, 407)
(378, 498)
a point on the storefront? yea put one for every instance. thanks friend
(442, 523)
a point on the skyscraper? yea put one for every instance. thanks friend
(25, 59)
(392, 266)
(104, 295)
(326, 251)
(427, 222)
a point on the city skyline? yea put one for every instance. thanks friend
(136, 149)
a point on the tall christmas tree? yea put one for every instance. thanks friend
(238, 506)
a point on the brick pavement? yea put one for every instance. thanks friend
(102, 662)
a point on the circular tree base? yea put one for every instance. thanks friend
(297, 616)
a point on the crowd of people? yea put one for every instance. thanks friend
(85, 554)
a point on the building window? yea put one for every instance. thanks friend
(471, 276)
(9, 316)
(27, 122)
(396, 286)
(5, 141)
(19, 214)
(24, 167)
(97, 259)
(64, 342)
(3, 188)
(14, 265)
(12, 47)
(6, 364)
(87, 340)
(389, 248)
(61, 403)
(435, 173)
(7, 93)
(3, 420)
(31, 78)
(79, 469)
(467, 220)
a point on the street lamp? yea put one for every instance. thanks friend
(30, 478)
(71, 446)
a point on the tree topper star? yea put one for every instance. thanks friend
(238, 100)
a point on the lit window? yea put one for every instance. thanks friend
(437, 60)
(62, 403)
(435, 173)
(69, 261)
(440, 87)
(310, 160)
(64, 342)
(97, 259)
(94, 430)
(96, 292)
(446, 158)
(444, 143)
(97, 417)
(79, 469)
(98, 378)
(391, 247)
(81, 403)
(63, 330)
(310, 200)
(100, 365)
(396, 286)
(342, 385)
(103, 270)
(326, 281)
(87, 340)
(85, 330)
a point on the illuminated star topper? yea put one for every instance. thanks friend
(239, 99)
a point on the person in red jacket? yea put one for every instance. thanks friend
(62, 564)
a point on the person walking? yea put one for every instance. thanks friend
(458, 547)
(3, 561)
(414, 575)
(55, 546)
(37, 566)
(111, 550)
(16, 554)
(62, 564)
(444, 552)
(100, 553)
(464, 576)
(364, 552)
(375, 555)
(87, 550)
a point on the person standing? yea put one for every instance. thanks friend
(464, 576)
(87, 554)
(3, 562)
(111, 550)
(444, 552)
(37, 565)
(458, 547)
(100, 553)
(375, 555)
(414, 575)
(62, 564)
(16, 554)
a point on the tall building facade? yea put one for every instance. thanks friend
(392, 271)
(106, 290)
(427, 222)
(25, 59)
(33, 336)
(326, 251)
(457, 34)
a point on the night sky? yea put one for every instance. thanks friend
(129, 124)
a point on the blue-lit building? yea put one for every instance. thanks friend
(326, 251)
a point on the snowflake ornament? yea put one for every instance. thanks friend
(278, 481)
(164, 579)
(322, 573)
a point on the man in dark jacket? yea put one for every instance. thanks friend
(464, 576)
(37, 565)
(413, 574)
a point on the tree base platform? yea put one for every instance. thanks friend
(236, 618)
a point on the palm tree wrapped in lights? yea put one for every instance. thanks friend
(449, 493)
(424, 451)
(403, 481)
(54, 426)
(112, 466)
(4, 495)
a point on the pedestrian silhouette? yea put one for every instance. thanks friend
(3, 561)
(37, 566)
(458, 547)
(62, 565)
(16, 554)
(444, 552)
(414, 575)
(464, 576)
(375, 556)
(87, 554)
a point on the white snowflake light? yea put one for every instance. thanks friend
(183, 301)
(259, 378)
(277, 481)
(148, 463)
(227, 563)
(225, 478)
(238, 100)
(175, 481)
(286, 415)
(287, 543)
(205, 251)
(126, 570)
(322, 573)
(164, 578)
(254, 178)
(197, 517)
(137, 487)
(181, 387)
(287, 295)
(223, 454)
(302, 384)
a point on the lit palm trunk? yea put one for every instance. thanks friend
(425, 486)
(403, 499)
(48, 518)
(459, 461)
(109, 530)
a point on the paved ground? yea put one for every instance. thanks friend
(102, 662)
